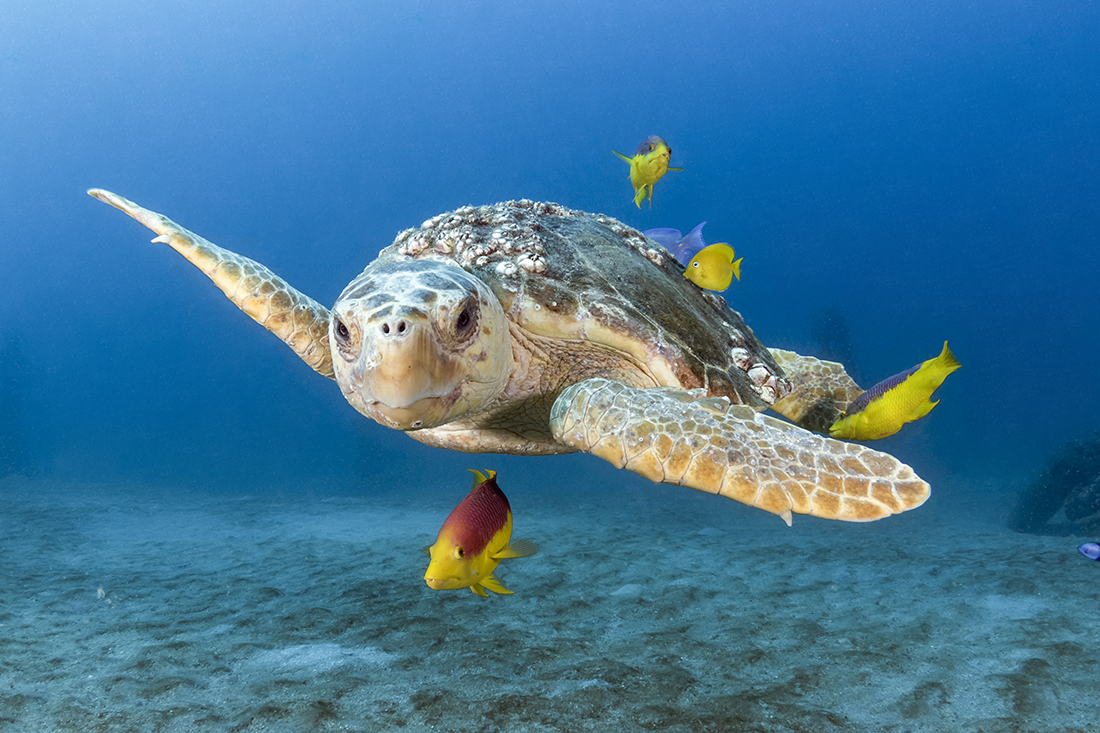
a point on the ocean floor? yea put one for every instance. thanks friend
(648, 608)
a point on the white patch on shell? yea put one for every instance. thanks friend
(507, 237)
(741, 358)
(504, 236)
(764, 381)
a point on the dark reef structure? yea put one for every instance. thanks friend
(1065, 498)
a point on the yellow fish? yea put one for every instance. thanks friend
(474, 539)
(882, 410)
(649, 163)
(713, 267)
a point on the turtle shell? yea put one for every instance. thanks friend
(568, 274)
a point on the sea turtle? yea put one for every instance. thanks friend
(529, 328)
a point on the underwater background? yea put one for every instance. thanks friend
(894, 174)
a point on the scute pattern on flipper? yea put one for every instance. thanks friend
(295, 318)
(673, 437)
(820, 390)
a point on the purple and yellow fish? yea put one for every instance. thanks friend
(712, 267)
(649, 164)
(474, 539)
(882, 410)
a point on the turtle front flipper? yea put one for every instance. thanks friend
(689, 439)
(297, 319)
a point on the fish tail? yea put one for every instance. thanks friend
(737, 268)
(947, 361)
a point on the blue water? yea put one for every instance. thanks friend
(928, 170)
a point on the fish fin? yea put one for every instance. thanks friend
(628, 160)
(667, 238)
(427, 550)
(476, 588)
(924, 409)
(519, 548)
(674, 169)
(691, 245)
(639, 195)
(737, 268)
(494, 585)
(479, 477)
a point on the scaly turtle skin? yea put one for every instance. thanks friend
(529, 328)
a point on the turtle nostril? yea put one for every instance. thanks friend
(394, 329)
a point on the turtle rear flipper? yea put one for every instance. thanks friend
(820, 390)
(688, 439)
(298, 320)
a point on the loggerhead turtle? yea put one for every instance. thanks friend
(529, 328)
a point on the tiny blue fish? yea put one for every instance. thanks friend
(682, 248)
(1091, 550)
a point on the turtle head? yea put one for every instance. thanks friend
(419, 343)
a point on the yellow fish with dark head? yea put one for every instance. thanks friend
(882, 410)
(649, 164)
(474, 539)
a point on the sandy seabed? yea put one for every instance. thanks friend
(648, 608)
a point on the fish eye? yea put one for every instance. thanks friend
(458, 553)
(695, 265)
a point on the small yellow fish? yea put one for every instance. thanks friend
(713, 267)
(649, 164)
(882, 410)
(474, 539)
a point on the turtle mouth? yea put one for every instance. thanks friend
(426, 412)
(407, 384)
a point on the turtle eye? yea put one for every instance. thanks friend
(465, 320)
(343, 335)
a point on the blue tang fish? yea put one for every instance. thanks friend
(712, 267)
(1091, 550)
(683, 248)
